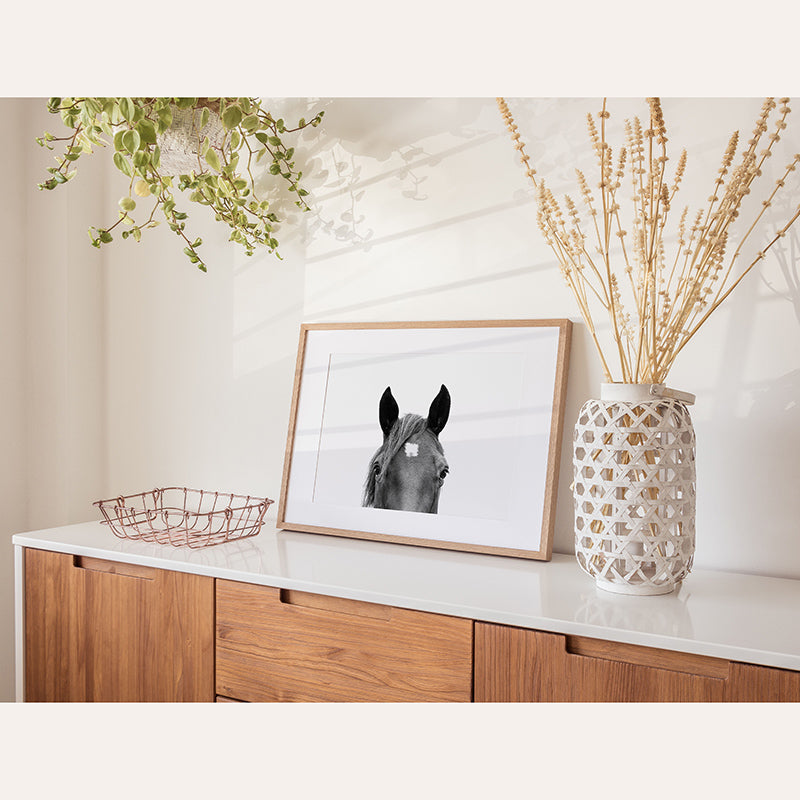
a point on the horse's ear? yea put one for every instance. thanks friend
(439, 411)
(388, 411)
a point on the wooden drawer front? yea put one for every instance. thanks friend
(274, 645)
(755, 684)
(513, 664)
(104, 631)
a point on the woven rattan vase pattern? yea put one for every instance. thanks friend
(634, 488)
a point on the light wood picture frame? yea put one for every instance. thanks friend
(438, 434)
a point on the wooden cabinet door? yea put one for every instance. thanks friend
(279, 645)
(755, 684)
(104, 631)
(518, 665)
(513, 664)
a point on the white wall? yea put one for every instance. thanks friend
(422, 212)
(13, 463)
(64, 333)
(143, 371)
(52, 314)
(455, 237)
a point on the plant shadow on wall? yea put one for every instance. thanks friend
(377, 171)
(377, 142)
(369, 154)
(762, 418)
(246, 162)
(786, 254)
(754, 401)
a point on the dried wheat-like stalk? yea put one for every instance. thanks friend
(668, 297)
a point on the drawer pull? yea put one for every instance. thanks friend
(704, 666)
(114, 567)
(339, 605)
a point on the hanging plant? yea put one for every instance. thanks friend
(211, 148)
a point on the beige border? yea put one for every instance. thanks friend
(553, 459)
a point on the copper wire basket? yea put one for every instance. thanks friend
(184, 517)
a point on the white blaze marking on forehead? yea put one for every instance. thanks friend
(412, 450)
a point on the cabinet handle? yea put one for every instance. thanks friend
(339, 605)
(114, 567)
(704, 666)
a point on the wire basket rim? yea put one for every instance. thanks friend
(179, 523)
(113, 502)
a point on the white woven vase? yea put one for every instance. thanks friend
(634, 488)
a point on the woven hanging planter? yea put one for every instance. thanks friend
(634, 488)
(180, 143)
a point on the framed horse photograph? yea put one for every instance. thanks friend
(438, 434)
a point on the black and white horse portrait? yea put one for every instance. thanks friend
(408, 469)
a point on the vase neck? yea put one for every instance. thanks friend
(641, 393)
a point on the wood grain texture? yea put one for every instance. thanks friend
(690, 663)
(342, 605)
(517, 665)
(545, 548)
(269, 650)
(556, 435)
(55, 629)
(755, 684)
(103, 634)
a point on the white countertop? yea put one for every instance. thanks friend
(729, 615)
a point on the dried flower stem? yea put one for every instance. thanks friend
(669, 305)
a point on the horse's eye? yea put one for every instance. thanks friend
(443, 474)
(376, 468)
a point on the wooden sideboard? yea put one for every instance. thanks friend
(519, 665)
(281, 645)
(103, 630)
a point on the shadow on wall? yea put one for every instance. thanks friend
(747, 419)
(431, 189)
(748, 444)
(382, 174)
(749, 479)
(371, 157)
(786, 253)
(363, 142)
(374, 141)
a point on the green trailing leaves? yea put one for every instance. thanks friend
(131, 140)
(231, 116)
(164, 118)
(147, 131)
(134, 125)
(126, 108)
(141, 158)
(212, 159)
(122, 164)
(250, 123)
